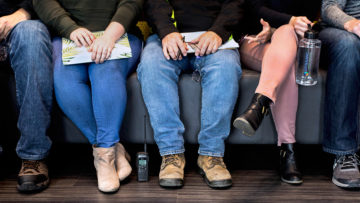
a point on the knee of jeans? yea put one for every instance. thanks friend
(30, 30)
(346, 43)
(229, 65)
(149, 67)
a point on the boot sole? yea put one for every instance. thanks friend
(33, 188)
(109, 192)
(244, 126)
(292, 182)
(221, 184)
(343, 185)
(171, 183)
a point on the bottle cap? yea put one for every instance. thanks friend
(310, 33)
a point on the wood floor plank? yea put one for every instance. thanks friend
(249, 185)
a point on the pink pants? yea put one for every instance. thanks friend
(276, 62)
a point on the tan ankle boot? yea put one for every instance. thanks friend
(122, 160)
(172, 171)
(214, 171)
(104, 161)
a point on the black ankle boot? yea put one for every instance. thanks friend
(251, 119)
(288, 168)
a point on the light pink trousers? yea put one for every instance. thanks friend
(276, 62)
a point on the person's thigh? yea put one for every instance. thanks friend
(251, 54)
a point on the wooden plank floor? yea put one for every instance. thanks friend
(74, 180)
(249, 185)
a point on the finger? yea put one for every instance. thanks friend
(248, 37)
(264, 23)
(91, 35)
(306, 20)
(299, 32)
(88, 38)
(195, 41)
(94, 52)
(261, 34)
(91, 47)
(301, 29)
(166, 53)
(108, 53)
(98, 57)
(103, 55)
(204, 47)
(77, 42)
(181, 45)
(215, 48)
(210, 48)
(171, 52)
(199, 45)
(83, 40)
(301, 24)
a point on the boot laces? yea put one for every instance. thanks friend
(31, 165)
(348, 161)
(172, 159)
(216, 161)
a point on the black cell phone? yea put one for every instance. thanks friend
(142, 165)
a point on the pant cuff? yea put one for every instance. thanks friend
(204, 153)
(32, 157)
(340, 152)
(180, 151)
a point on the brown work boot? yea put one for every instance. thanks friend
(33, 176)
(214, 172)
(122, 159)
(172, 171)
(104, 161)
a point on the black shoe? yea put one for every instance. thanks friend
(288, 168)
(346, 171)
(33, 176)
(250, 120)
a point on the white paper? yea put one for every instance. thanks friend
(189, 36)
(71, 54)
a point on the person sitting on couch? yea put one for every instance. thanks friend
(25, 44)
(273, 52)
(93, 95)
(165, 57)
(341, 54)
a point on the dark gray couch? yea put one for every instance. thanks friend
(308, 126)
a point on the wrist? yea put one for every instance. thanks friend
(21, 15)
(349, 25)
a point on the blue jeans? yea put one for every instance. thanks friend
(220, 74)
(93, 95)
(341, 52)
(30, 53)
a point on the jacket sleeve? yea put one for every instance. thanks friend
(332, 13)
(228, 19)
(159, 14)
(128, 12)
(55, 16)
(275, 18)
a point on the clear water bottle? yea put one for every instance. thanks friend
(308, 57)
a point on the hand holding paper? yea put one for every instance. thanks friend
(208, 43)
